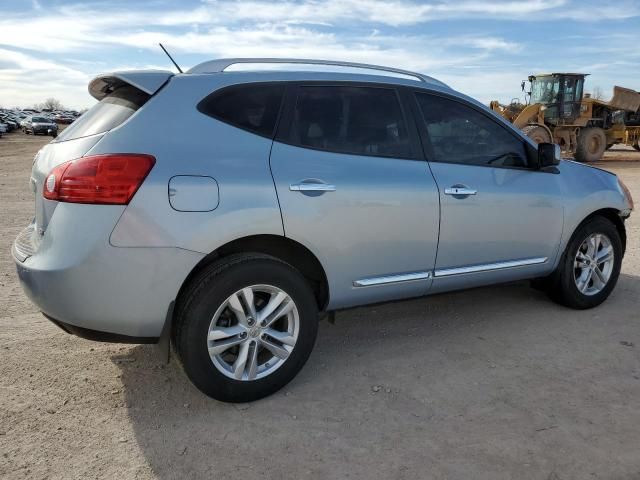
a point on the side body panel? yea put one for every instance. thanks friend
(381, 220)
(191, 143)
(515, 216)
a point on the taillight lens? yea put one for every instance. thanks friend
(110, 179)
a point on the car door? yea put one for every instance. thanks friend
(501, 219)
(354, 189)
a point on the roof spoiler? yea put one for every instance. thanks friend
(148, 81)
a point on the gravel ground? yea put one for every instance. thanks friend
(492, 383)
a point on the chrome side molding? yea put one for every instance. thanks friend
(487, 267)
(446, 272)
(387, 279)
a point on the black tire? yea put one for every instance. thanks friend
(592, 142)
(537, 133)
(637, 145)
(561, 286)
(208, 291)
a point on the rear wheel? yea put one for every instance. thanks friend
(245, 327)
(537, 133)
(592, 143)
(590, 266)
(637, 145)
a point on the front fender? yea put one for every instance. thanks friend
(587, 190)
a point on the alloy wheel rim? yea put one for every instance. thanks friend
(253, 332)
(593, 264)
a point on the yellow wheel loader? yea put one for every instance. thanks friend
(558, 112)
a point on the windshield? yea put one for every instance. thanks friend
(545, 90)
(40, 120)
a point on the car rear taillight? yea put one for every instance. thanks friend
(110, 179)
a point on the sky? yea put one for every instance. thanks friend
(484, 48)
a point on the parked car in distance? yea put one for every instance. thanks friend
(9, 122)
(283, 195)
(38, 124)
(64, 119)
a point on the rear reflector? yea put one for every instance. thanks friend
(111, 179)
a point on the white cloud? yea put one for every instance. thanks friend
(82, 37)
(26, 80)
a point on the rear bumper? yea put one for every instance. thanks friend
(44, 130)
(97, 336)
(94, 289)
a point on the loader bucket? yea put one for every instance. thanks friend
(625, 99)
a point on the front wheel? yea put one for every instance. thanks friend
(537, 133)
(592, 142)
(589, 269)
(245, 327)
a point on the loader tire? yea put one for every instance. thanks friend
(537, 133)
(592, 143)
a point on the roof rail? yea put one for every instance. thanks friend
(219, 65)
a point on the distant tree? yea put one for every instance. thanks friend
(597, 93)
(50, 104)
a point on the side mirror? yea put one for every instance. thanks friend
(548, 154)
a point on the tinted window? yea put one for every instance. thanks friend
(107, 114)
(253, 107)
(358, 120)
(458, 133)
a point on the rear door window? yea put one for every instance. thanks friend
(107, 114)
(252, 107)
(350, 119)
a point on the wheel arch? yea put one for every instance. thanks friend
(613, 215)
(283, 248)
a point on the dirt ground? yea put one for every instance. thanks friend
(493, 383)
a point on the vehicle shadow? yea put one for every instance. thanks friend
(455, 382)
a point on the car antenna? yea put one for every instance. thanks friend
(170, 57)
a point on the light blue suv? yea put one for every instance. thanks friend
(224, 210)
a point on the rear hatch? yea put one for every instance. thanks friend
(120, 95)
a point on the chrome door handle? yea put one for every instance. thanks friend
(459, 190)
(312, 187)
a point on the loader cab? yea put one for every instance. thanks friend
(560, 93)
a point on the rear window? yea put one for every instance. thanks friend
(252, 107)
(110, 112)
